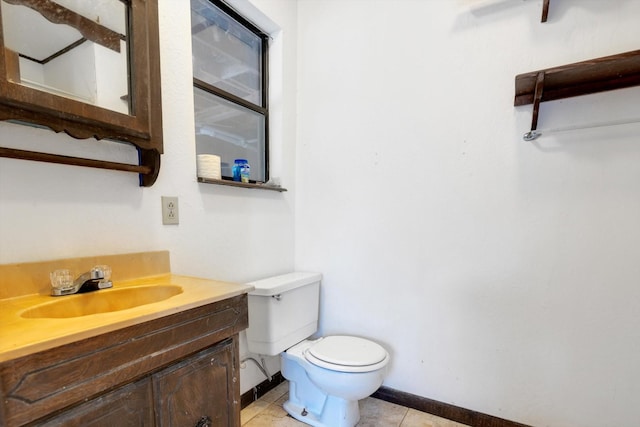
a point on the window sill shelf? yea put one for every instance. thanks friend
(240, 184)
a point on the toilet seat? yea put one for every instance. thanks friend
(347, 354)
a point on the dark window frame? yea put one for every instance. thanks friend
(264, 63)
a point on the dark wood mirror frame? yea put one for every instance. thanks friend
(142, 128)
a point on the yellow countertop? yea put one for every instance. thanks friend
(20, 336)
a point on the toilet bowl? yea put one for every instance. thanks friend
(327, 376)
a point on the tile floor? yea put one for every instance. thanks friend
(267, 412)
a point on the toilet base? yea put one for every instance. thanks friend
(337, 413)
(307, 402)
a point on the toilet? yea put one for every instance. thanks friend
(328, 375)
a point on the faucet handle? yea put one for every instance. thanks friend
(61, 279)
(101, 272)
(95, 273)
(105, 280)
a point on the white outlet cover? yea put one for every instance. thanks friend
(170, 212)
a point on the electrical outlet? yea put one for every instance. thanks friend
(170, 210)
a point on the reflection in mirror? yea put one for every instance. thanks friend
(71, 48)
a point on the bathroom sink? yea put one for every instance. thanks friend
(104, 301)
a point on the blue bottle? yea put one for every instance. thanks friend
(241, 170)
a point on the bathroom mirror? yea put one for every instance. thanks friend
(88, 68)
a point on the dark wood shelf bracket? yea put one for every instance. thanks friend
(537, 97)
(545, 11)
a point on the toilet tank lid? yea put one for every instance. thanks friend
(285, 282)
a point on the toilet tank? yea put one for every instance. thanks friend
(283, 310)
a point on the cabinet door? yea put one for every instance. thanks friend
(128, 406)
(199, 391)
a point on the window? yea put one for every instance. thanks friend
(230, 87)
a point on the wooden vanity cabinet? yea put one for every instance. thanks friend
(180, 370)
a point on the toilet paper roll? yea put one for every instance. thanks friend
(210, 175)
(208, 166)
(208, 159)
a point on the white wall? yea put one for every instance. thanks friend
(50, 211)
(501, 275)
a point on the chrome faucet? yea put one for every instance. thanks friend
(96, 278)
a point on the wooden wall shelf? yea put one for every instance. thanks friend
(240, 184)
(580, 78)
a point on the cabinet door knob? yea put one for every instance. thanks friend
(204, 422)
